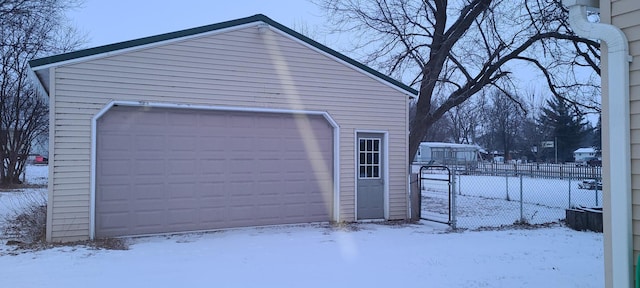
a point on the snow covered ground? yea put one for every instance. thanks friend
(11, 201)
(37, 174)
(316, 255)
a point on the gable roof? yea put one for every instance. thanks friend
(56, 60)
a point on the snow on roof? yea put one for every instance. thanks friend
(449, 145)
(585, 150)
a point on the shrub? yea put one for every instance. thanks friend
(27, 218)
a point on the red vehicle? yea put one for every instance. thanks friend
(41, 160)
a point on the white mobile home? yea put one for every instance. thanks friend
(446, 153)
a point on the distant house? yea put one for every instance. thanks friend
(447, 153)
(584, 154)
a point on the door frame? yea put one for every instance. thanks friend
(385, 171)
(94, 124)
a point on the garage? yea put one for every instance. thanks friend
(240, 123)
(161, 170)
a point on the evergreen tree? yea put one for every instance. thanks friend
(564, 124)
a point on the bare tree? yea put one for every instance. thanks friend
(440, 130)
(453, 50)
(503, 123)
(464, 120)
(29, 29)
(570, 67)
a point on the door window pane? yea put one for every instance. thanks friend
(369, 157)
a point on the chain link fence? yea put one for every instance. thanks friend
(493, 196)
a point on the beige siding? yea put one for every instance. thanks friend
(625, 15)
(238, 68)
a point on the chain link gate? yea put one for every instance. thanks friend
(436, 184)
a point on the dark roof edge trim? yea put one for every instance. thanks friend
(208, 28)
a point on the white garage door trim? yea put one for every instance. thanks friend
(94, 120)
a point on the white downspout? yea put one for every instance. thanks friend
(619, 263)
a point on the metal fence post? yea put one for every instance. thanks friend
(596, 193)
(506, 177)
(454, 203)
(459, 185)
(521, 202)
(569, 193)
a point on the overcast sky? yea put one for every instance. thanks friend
(111, 21)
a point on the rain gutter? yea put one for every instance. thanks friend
(618, 247)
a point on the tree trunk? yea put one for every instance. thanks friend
(416, 134)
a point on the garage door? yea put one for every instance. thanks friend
(161, 170)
